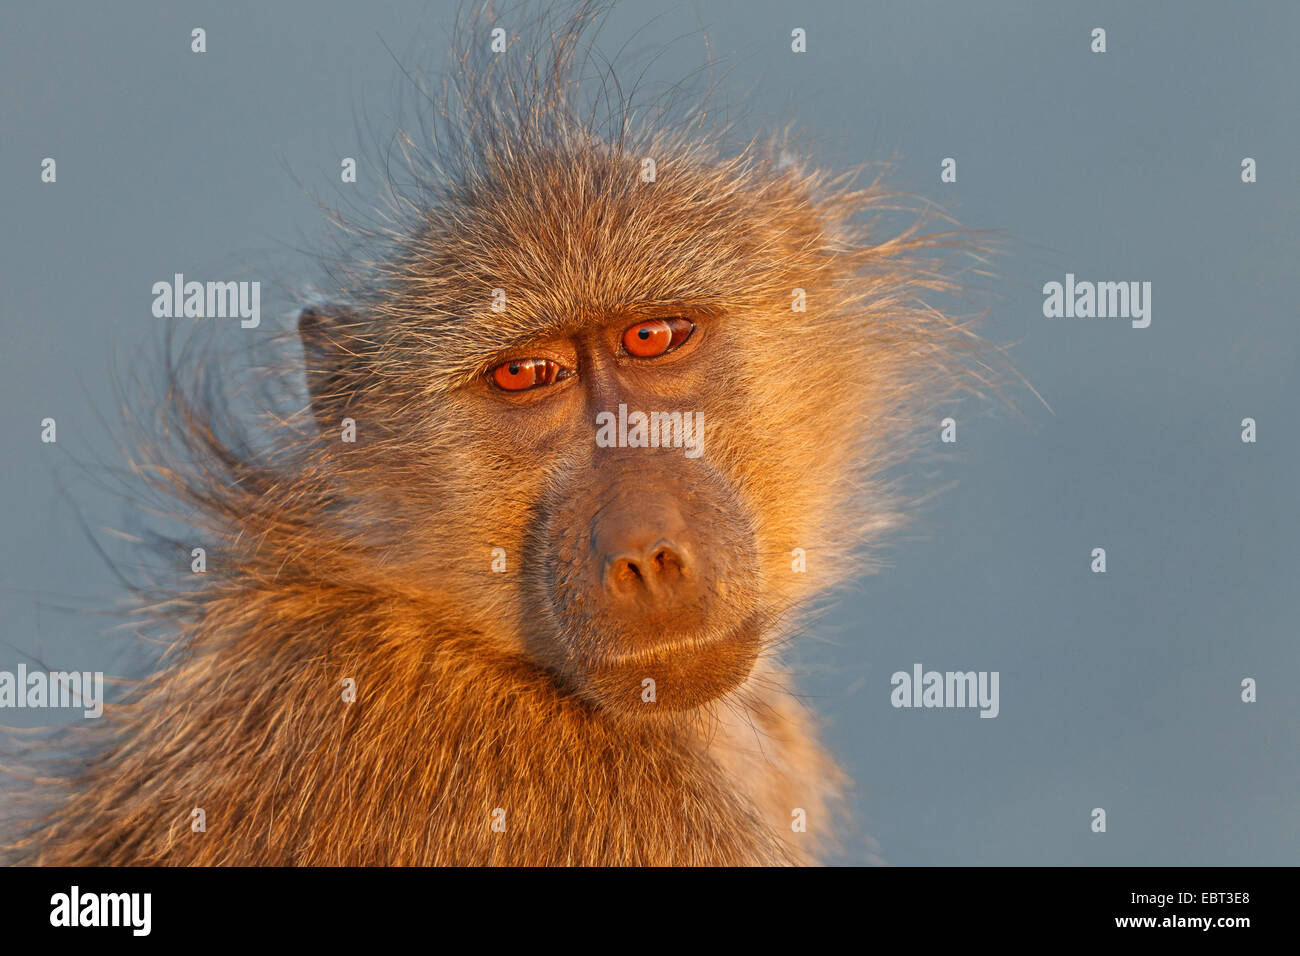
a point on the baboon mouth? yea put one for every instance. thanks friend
(673, 674)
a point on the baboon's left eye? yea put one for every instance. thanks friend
(521, 374)
(654, 337)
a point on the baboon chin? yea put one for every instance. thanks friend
(510, 581)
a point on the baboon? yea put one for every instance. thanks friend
(442, 622)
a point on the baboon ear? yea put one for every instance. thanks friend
(331, 350)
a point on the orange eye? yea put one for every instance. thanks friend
(654, 337)
(517, 375)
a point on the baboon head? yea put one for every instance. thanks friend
(623, 424)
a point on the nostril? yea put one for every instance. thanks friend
(625, 571)
(658, 573)
(666, 562)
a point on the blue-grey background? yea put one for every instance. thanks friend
(1119, 690)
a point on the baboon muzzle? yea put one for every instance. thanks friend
(655, 581)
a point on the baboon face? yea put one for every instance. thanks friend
(643, 558)
(620, 431)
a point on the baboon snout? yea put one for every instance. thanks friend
(642, 544)
(654, 580)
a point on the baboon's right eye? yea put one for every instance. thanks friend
(654, 337)
(518, 375)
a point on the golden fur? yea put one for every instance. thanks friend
(371, 561)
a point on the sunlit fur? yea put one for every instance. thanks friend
(372, 561)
